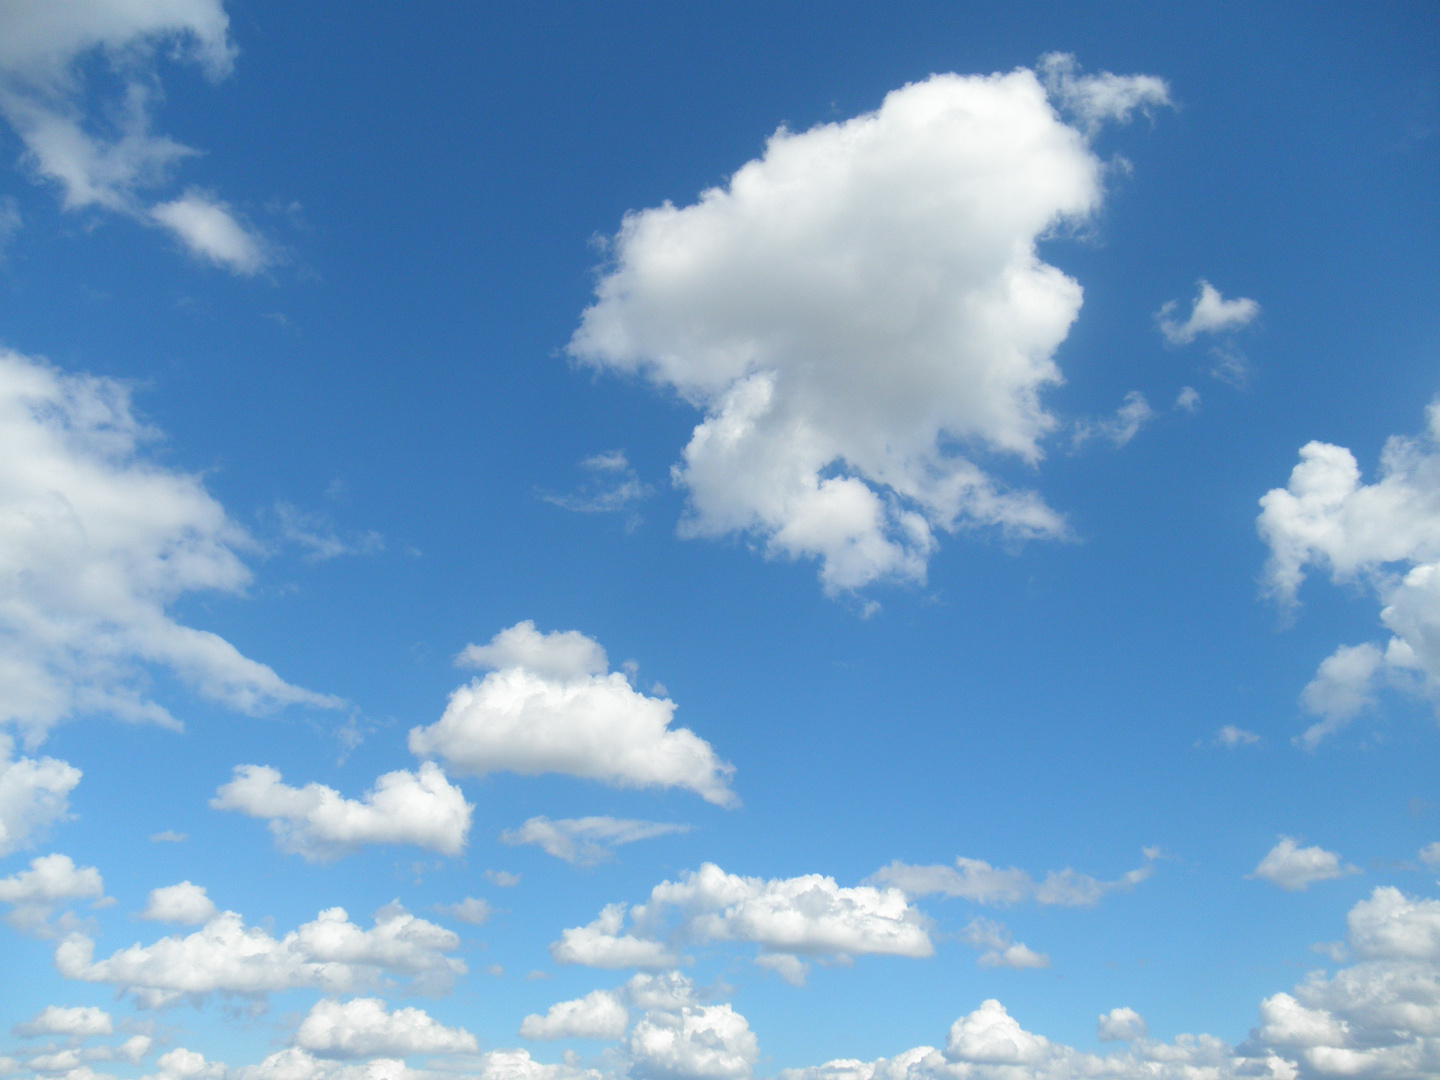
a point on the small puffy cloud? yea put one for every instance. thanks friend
(362, 1027)
(589, 840)
(1121, 1025)
(502, 878)
(1384, 536)
(998, 949)
(1231, 736)
(560, 655)
(183, 1064)
(108, 158)
(1430, 855)
(1120, 428)
(1211, 313)
(809, 915)
(550, 707)
(316, 822)
(33, 795)
(97, 542)
(226, 956)
(859, 303)
(991, 1036)
(598, 1015)
(601, 944)
(977, 881)
(81, 1022)
(1293, 867)
(471, 910)
(208, 229)
(693, 1042)
(1188, 399)
(52, 879)
(185, 904)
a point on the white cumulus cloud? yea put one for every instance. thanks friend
(1122, 1024)
(1211, 313)
(226, 956)
(550, 707)
(809, 915)
(854, 307)
(52, 879)
(33, 795)
(598, 1015)
(692, 1042)
(1384, 536)
(106, 156)
(1292, 867)
(185, 904)
(588, 840)
(362, 1027)
(316, 822)
(82, 1021)
(96, 543)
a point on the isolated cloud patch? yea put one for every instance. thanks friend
(185, 904)
(551, 707)
(362, 1027)
(998, 948)
(808, 915)
(1292, 867)
(1210, 313)
(33, 795)
(316, 822)
(861, 312)
(96, 543)
(225, 956)
(588, 840)
(106, 157)
(1384, 536)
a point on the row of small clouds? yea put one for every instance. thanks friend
(1374, 1017)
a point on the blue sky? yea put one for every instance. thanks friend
(696, 543)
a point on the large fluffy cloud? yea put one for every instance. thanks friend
(1384, 536)
(808, 915)
(32, 795)
(108, 157)
(861, 313)
(421, 808)
(551, 706)
(362, 1027)
(226, 956)
(96, 543)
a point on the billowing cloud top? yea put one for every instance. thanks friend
(550, 706)
(860, 311)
